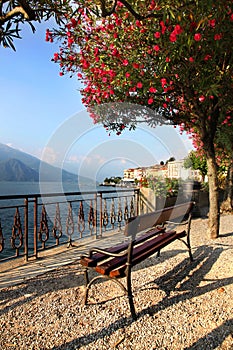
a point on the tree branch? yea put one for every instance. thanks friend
(24, 10)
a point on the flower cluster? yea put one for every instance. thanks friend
(178, 63)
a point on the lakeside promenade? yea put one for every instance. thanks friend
(180, 305)
(17, 271)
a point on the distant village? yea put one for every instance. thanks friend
(173, 169)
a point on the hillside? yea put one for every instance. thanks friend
(16, 165)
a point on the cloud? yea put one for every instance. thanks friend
(50, 156)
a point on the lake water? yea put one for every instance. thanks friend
(15, 188)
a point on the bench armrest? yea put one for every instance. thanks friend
(105, 252)
(177, 223)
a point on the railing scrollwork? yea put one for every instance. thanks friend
(91, 218)
(57, 227)
(70, 225)
(39, 225)
(1, 238)
(44, 229)
(17, 233)
(81, 219)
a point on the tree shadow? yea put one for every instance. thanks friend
(185, 277)
(68, 276)
(213, 338)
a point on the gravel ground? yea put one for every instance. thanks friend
(179, 305)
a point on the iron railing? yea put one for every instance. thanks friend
(36, 222)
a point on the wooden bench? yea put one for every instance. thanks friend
(149, 233)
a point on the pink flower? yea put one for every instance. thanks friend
(135, 65)
(191, 59)
(173, 37)
(125, 62)
(197, 37)
(218, 36)
(139, 85)
(163, 82)
(207, 57)
(127, 75)
(156, 48)
(178, 30)
(157, 35)
(202, 98)
(167, 59)
(163, 27)
(150, 101)
(152, 89)
(212, 23)
(56, 56)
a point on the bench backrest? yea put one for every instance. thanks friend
(143, 222)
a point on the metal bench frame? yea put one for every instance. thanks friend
(160, 232)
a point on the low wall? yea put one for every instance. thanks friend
(148, 202)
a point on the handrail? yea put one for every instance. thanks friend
(31, 223)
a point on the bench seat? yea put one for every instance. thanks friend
(149, 233)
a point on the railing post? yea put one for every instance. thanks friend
(137, 191)
(95, 214)
(101, 214)
(35, 228)
(26, 229)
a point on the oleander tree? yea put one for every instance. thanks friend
(14, 14)
(224, 150)
(172, 56)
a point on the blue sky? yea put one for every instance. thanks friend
(37, 116)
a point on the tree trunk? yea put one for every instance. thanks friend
(214, 210)
(227, 204)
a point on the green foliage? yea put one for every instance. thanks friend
(196, 162)
(112, 179)
(14, 14)
(163, 187)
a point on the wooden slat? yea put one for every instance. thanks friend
(97, 257)
(143, 249)
(120, 272)
(143, 222)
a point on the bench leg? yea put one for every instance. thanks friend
(190, 253)
(86, 277)
(130, 294)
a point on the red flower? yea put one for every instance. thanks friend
(212, 22)
(202, 98)
(207, 57)
(127, 75)
(178, 29)
(191, 59)
(152, 89)
(150, 101)
(139, 85)
(173, 37)
(163, 27)
(125, 62)
(135, 65)
(197, 37)
(156, 48)
(157, 35)
(218, 36)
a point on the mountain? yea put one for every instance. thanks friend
(16, 165)
(15, 170)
